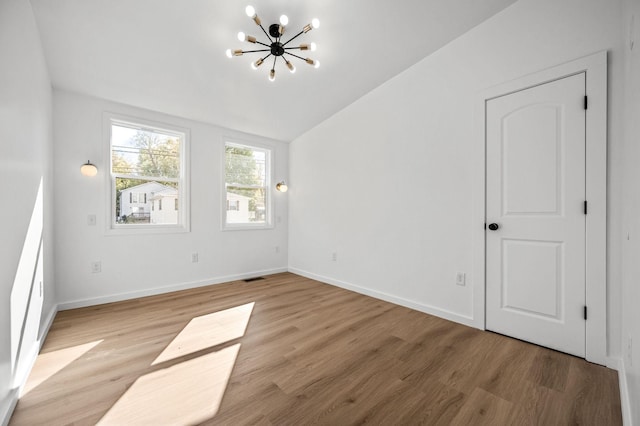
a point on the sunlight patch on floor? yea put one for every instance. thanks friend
(186, 393)
(207, 331)
(52, 362)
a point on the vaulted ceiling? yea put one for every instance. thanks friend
(169, 56)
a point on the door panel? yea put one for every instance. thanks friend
(527, 288)
(531, 148)
(535, 193)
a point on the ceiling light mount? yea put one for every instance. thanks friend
(274, 30)
(275, 46)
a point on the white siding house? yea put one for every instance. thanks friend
(237, 208)
(164, 206)
(135, 202)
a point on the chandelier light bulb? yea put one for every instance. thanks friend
(284, 20)
(313, 47)
(229, 54)
(241, 36)
(256, 64)
(291, 67)
(272, 74)
(315, 23)
(250, 11)
(316, 64)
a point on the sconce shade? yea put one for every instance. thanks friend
(282, 187)
(88, 169)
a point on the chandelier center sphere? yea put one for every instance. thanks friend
(277, 48)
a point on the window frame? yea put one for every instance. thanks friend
(183, 225)
(269, 151)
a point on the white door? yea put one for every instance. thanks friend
(535, 259)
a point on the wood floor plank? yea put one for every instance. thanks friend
(304, 353)
(484, 408)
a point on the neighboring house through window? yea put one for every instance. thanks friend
(247, 177)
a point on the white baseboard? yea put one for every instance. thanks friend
(47, 325)
(442, 313)
(21, 376)
(7, 406)
(625, 401)
(166, 289)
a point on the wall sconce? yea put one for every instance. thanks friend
(282, 187)
(89, 169)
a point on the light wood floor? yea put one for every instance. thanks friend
(292, 351)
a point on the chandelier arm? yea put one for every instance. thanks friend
(299, 57)
(266, 33)
(263, 44)
(259, 50)
(291, 39)
(275, 58)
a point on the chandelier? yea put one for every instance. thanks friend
(276, 47)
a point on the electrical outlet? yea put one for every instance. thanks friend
(96, 266)
(334, 256)
(194, 257)
(461, 278)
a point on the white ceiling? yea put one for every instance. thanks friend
(169, 55)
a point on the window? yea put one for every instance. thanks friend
(247, 177)
(138, 197)
(147, 163)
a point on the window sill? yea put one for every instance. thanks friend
(147, 229)
(247, 227)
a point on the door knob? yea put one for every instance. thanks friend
(494, 226)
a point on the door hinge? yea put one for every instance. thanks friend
(585, 206)
(586, 102)
(585, 313)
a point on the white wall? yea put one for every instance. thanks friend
(25, 216)
(387, 183)
(134, 265)
(631, 204)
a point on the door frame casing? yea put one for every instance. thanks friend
(595, 69)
